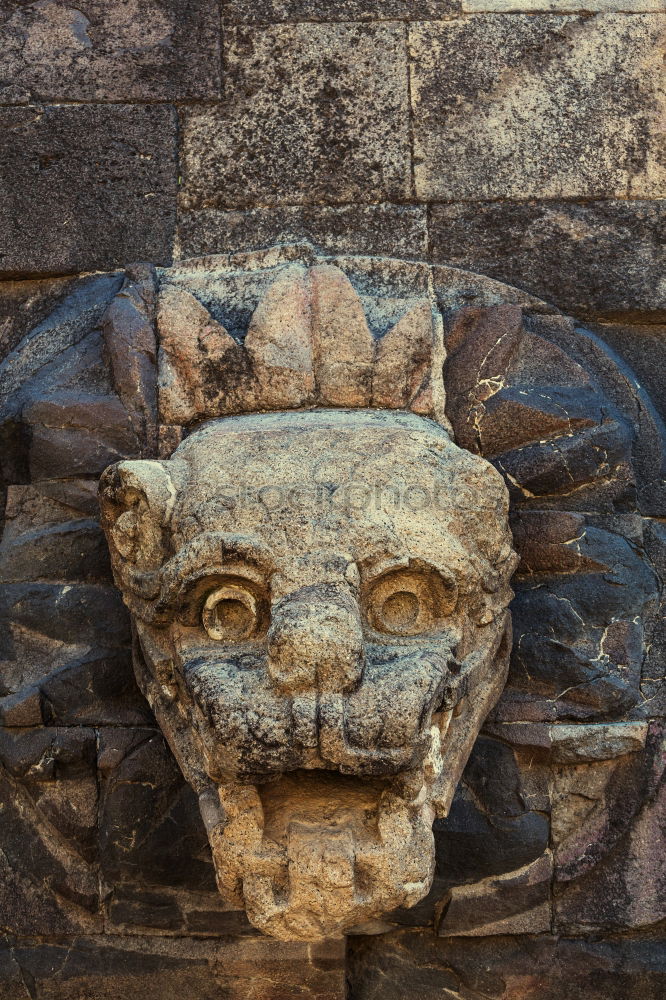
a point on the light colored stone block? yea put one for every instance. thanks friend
(539, 106)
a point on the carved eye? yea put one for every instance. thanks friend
(410, 601)
(230, 614)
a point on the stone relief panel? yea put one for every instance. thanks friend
(147, 368)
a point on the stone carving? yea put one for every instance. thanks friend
(319, 595)
(552, 826)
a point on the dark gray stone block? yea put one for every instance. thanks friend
(86, 187)
(149, 50)
(274, 11)
(395, 230)
(313, 113)
(599, 258)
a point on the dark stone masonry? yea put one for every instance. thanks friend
(161, 163)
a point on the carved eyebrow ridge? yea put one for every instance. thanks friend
(209, 551)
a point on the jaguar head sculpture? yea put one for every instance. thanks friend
(320, 604)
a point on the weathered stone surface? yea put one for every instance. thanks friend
(549, 107)
(273, 11)
(643, 347)
(159, 969)
(607, 822)
(366, 229)
(48, 792)
(131, 348)
(600, 258)
(308, 342)
(596, 742)
(338, 133)
(410, 965)
(70, 322)
(560, 6)
(63, 209)
(25, 304)
(146, 50)
(516, 903)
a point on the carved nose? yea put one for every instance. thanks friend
(315, 641)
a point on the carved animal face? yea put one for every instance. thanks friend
(320, 602)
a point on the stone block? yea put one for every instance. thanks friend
(515, 903)
(86, 187)
(411, 965)
(643, 347)
(601, 258)
(275, 11)
(156, 968)
(607, 819)
(312, 113)
(538, 106)
(559, 6)
(146, 50)
(398, 230)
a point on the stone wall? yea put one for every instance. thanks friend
(520, 140)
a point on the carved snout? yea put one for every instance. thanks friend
(315, 642)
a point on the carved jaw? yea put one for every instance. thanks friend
(321, 850)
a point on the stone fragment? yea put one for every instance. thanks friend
(601, 258)
(550, 107)
(49, 884)
(576, 744)
(201, 368)
(21, 709)
(367, 229)
(411, 965)
(643, 347)
(515, 903)
(55, 51)
(607, 830)
(497, 822)
(25, 304)
(342, 342)
(63, 210)
(339, 132)
(168, 847)
(280, 342)
(156, 968)
(70, 323)
(129, 340)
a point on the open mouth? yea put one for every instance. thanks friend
(324, 848)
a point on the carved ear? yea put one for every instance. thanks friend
(136, 500)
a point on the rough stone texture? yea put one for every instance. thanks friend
(116, 838)
(538, 106)
(274, 11)
(94, 51)
(600, 258)
(86, 188)
(560, 6)
(398, 230)
(338, 133)
(410, 966)
(149, 967)
(643, 347)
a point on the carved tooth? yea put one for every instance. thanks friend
(343, 344)
(403, 362)
(279, 341)
(191, 342)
